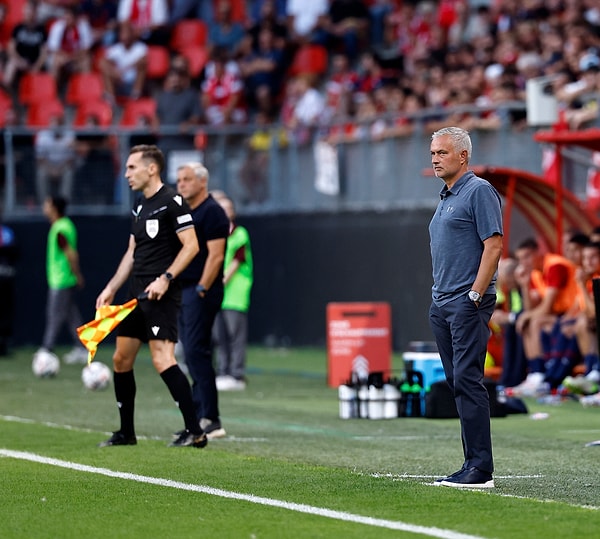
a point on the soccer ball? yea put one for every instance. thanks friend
(95, 376)
(45, 364)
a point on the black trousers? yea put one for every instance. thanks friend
(461, 332)
(196, 320)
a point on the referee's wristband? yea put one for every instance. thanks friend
(200, 289)
(512, 317)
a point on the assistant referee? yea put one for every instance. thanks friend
(162, 243)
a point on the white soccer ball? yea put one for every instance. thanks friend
(95, 376)
(45, 364)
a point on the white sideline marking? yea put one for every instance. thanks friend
(15, 419)
(290, 506)
(409, 437)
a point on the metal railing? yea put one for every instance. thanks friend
(279, 178)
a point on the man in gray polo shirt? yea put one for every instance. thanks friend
(466, 245)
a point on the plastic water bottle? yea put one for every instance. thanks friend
(363, 401)
(391, 396)
(376, 402)
(347, 398)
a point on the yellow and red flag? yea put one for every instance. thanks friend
(108, 317)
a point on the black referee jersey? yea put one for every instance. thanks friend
(156, 222)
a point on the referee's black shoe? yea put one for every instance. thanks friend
(187, 439)
(118, 438)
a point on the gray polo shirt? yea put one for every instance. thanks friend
(466, 215)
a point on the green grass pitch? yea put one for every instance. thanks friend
(289, 467)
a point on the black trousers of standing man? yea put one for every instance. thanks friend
(461, 332)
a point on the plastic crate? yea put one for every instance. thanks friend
(423, 357)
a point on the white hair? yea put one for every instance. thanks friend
(460, 139)
(199, 170)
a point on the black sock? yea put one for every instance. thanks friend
(537, 364)
(182, 394)
(125, 393)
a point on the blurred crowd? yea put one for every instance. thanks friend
(362, 68)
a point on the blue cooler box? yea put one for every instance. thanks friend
(423, 357)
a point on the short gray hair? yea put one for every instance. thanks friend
(199, 170)
(460, 137)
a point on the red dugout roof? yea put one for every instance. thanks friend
(537, 199)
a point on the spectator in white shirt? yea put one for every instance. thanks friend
(310, 104)
(124, 66)
(307, 107)
(307, 20)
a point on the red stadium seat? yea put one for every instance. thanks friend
(238, 10)
(158, 61)
(310, 59)
(196, 57)
(101, 110)
(40, 114)
(5, 99)
(12, 16)
(84, 87)
(36, 87)
(188, 32)
(136, 110)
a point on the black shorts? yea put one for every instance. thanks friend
(151, 319)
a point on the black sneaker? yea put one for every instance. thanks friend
(187, 439)
(213, 428)
(438, 482)
(118, 438)
(469, 478)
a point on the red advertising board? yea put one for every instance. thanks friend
(358, 338)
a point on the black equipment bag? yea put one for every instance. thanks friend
(439, 401)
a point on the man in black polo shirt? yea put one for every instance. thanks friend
(27, 46)
(202, 283)
(161, 245)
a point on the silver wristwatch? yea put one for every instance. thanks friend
(474, 296)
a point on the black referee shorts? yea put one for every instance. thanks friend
(152, 319)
